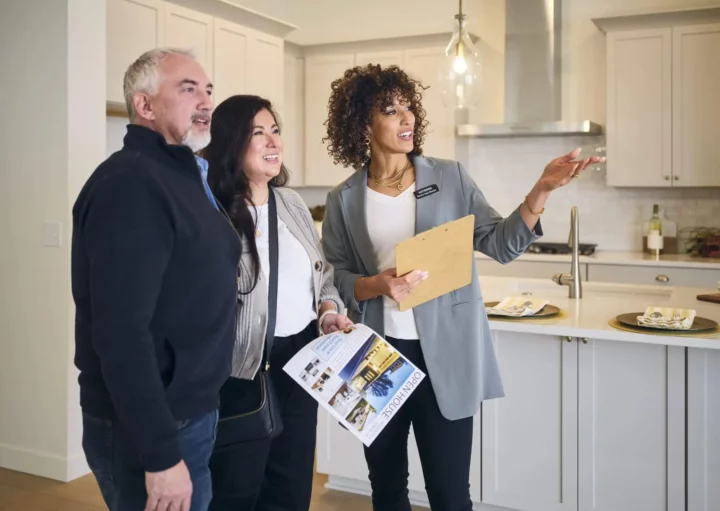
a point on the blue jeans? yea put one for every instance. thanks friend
(117, 468)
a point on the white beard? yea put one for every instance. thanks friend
(196, 141)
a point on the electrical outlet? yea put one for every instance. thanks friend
(52, 234)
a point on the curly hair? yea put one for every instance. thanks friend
(356, 97)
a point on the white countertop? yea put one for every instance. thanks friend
(589, 316)
(625, 258)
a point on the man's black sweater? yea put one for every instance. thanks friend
(154, 281)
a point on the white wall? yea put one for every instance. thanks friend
(54, 81)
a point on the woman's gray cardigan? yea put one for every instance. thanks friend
(252, 315)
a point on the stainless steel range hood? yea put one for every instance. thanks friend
(533, 76)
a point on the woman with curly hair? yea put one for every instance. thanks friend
(376, 124)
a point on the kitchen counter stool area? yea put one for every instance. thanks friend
(593, 418)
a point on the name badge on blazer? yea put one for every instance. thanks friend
(424, 192)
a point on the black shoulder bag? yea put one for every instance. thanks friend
(249, 409)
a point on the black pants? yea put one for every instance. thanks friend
(273, 475)
(444, 447)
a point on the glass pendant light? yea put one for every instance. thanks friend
(460, 72)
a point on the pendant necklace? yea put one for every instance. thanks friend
(395, 181)
(257, 216)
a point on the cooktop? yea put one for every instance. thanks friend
(560, 248)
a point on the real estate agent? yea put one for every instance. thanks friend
(377, 125)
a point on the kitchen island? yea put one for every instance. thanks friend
(593, 418)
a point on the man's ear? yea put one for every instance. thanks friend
(143, 106)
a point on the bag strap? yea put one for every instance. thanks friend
(272, 288)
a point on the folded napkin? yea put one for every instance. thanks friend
(667, 317)
(517, 306)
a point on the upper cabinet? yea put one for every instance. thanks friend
(185, 28)
(133, 27)
(662, 100)
(320, 72)
(421, 64)
(696, 105)
(237, 58)
(639, 108)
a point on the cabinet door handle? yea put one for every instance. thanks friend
(585, 340)
(662, 278)
(667, 178)
(568, 338)
(676, 178)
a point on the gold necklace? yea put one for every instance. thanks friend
(394, 181)
(257, 215)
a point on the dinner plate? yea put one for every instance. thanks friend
(699, 324)
(545, 312)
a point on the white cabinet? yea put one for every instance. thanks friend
(631, 435)
(639, 108)
(185, 28)
(237, 59)
(292, 119)
(320, 72)
(673, 277)
(585, 425)
(529, 437)
(703, 429)
(525, 269)
(678, 276)
(341, 456)
(133, 27)
(231, 42)
(247, 62)
(421, 64)
(662, 106)
(266, 68)
(383, 58)
(696, 105)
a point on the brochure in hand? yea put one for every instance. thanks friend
(357, 376)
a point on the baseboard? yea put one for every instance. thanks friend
(363, 488)
(417, 498)
(77, 466)
(43, 464)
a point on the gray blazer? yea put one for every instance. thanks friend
(454, 331)
(252, 318)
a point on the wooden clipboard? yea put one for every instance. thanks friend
(445, 252)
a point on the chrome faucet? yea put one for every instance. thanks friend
(572, 280)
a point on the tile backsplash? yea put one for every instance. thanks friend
(505, 169)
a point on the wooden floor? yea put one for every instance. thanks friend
(23, 492)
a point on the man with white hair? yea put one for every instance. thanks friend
(154, 282)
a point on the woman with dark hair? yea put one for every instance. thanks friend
(246, 175)
(376, 124)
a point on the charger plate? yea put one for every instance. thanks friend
(700, 325)
(548, 314)
(545, 312)
(713, 333)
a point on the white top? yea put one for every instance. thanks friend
(391, 220)
(295, 281)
